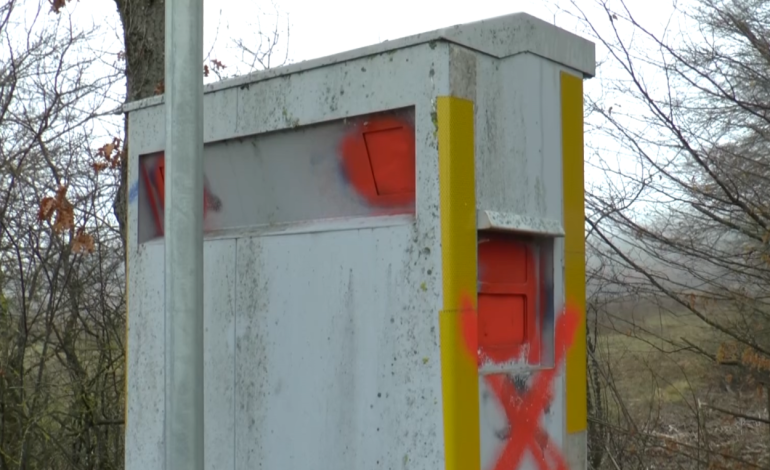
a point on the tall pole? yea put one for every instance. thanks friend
(183, 219)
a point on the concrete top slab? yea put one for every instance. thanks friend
(500, 37)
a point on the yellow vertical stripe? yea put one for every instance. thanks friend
(458, 256)
(574, 244)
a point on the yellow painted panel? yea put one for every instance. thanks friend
(574, 244)
(574, 222)
(458, 256)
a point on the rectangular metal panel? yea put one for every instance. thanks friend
(252, 384)
(519, 159)
(303, 174)
(337, 364)
(219, 353)
(144, 423)
(144, 439)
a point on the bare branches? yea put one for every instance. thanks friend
(61, 302)
(63, 161)
(262, 50)
(691, 215)
(737, 414)
(680, 225)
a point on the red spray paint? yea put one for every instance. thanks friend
(154, 180)
(377, 158)
(523, 410)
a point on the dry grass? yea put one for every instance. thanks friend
(666, 388)
(647, 361)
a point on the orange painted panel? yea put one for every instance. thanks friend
(508, 289)
(379, 160)
(391, 154)
(502, 322)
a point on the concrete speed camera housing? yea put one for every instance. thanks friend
(377, 221)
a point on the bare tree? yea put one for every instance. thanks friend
(680, 223)
(61, 299)
(62, 228)
(265, 48)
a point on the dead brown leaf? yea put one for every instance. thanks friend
(82, 242)
(65, 217)
(109, 155)
(57, 5)
(59, 207)
(99, 166)
(47, 208)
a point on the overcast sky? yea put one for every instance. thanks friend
(318, 28)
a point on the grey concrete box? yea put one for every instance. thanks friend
(322, 345)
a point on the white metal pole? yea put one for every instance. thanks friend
(183, 220)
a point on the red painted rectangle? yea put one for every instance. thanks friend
(502, 322)
(508, 290)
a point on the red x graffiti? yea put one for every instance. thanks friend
(523, 411)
